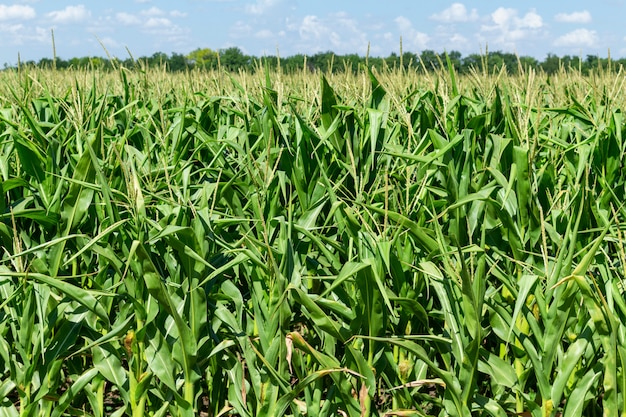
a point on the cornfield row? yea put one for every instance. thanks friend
(269, 245)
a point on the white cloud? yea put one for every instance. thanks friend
(574, 17)
(164, 30)
(351, 30)
(509, 28)
(127, 19)
(311, 27)
(240, 30)
(16, 12)
(264, 34)
(157, 23)
(457, 12)
(40, 35)
(403, 23)
(149, 18)
(152, 11)
(109, 42)
(177, 13)
(18, 34)
(70, 14)
(506, 19)
(14, 28)
(412, 38)
(578, 38)
(459, 41)
(336, 32)
(502, 17)
(531, 20)
(260, 6)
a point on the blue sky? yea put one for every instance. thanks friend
(261, 27)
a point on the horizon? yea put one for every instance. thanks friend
(281, 56)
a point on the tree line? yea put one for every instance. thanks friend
(234, 59)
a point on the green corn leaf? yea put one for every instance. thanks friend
(110, 367)
(80, 295)
(73, 391)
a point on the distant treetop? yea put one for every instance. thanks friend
(233, 59)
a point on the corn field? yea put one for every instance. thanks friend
(272, 244)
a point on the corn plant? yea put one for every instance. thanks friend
(269, 244)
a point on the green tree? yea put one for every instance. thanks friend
(393, 60)
(157, 59)
(430, 59)
(322, 61)
(472, 61)
(455, 59)
(528, 62)
(292, 63)
(351, 62)
(234, 59)
(592, 62)
(204, 58)
(551, 64)
(177, 62)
